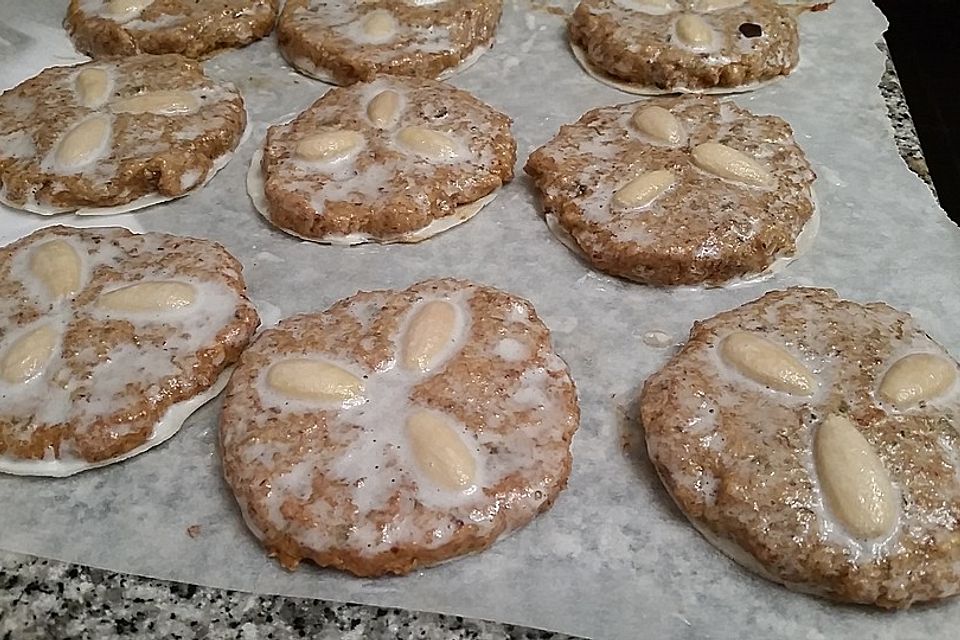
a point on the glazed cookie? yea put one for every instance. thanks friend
(192, 28)
(815, 441)
(394, 160)
(344, 42)
(669, 46)
(398, 429)
(111, 136)
(672, 191)
(109, 341)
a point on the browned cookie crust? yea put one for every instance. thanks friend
(112, 369)
(384, 187)
(704, 228)
(169, 149)
(192, 28)
(346, 482)
(753, 467)
(345, 42)
(640, 41)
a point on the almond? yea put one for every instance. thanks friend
(329, 147)
(379, 25)
(384, 108)
(92, 86)
(28, 355)
(430, 330)
(314, 380)
(916, 378)
(83, 143)
(725, 162)
(439, 451)
(656, 7)
(164, 103)
(156, 295)
(428, 143)
(123, 10)
(643, 191)
(855, 484)
(659, 124)
(57, 265)
(767, 363)
(706, 6)
(693, 31)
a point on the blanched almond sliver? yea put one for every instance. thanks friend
(854, 481)
(427, 143)
(164, 103)
(439, 451)
(429, 332)
(726, 162)
(156, 295)
(92, 86)
(644, 190)
(28, 355)
(767, 363)
(84, 143)
(57, 265)
(314, 380)
(329, 147)
(917, 378)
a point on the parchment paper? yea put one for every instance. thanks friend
(613, 558)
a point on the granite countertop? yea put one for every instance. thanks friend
(49, 599)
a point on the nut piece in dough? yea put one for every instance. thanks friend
(26, 357)
(428, 143)
(315, 380)
(431, 330)
(164, 103)
(659, 124)
(439, 451)
(917, 378)
(57, 265)
(693, 31)
(382, 110)
(725, 162)
(767, 363)
(84, 143)
(92, 86)
(856, 486)
(330, 147)
(157, 295)
(643, 190)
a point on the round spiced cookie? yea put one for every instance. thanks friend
(109, 341)
(344, 42)
(115, 135)
(398, 429)
(393, 160)
(192, 28)
(678, 191)
(673, 46)
(815, 441)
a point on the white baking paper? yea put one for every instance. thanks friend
(613, 558)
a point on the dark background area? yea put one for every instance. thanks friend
(924, 41)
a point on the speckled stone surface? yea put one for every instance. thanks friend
(903, 130)
(43, 599)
